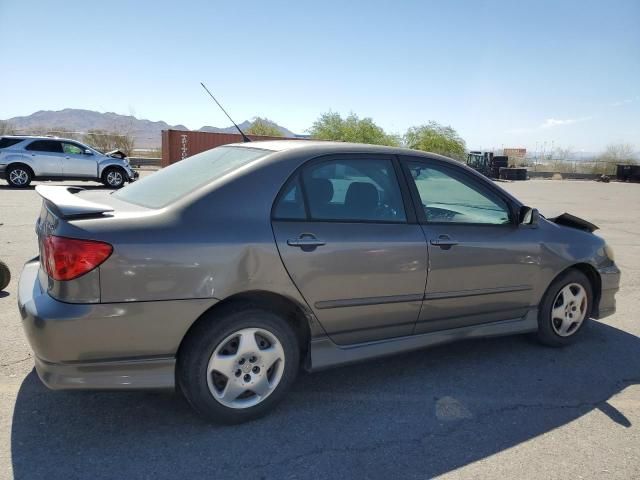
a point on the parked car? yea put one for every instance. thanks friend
(230, 270)
(27, 158)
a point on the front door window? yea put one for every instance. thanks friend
(448, 197)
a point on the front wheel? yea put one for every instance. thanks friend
(565, 309)
(237, 365)
(113, 177)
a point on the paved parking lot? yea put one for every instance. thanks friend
(481, 409)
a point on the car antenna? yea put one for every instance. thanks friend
(244, 137)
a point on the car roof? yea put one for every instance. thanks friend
(282, 145)
(319, 147)
(40, 137)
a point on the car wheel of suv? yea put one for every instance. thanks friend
(237, 366)
(5, 276)
(565, 309)
(19, 176)
(113, 177)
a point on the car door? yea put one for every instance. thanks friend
(348, 237)
(46, 157)
(482, 264)
(77, 163)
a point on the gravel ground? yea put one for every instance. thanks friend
(480, 409)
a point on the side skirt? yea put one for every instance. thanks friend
(325, 353)
(65, 178)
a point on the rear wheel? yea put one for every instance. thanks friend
(565, 309)
(238, 366)
(5, 275)
(113, 177)
(19, 176)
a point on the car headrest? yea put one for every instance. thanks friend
(320, 189)
(362, 196)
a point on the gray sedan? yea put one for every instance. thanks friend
(226, 273)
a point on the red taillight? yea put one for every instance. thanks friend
(68, 258)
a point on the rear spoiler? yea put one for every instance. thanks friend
(64, 202)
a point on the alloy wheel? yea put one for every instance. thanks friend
(114, 178)
(18, 176)
(569, 309)
(245, 368)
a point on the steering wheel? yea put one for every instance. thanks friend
(384, 211)
(439, 214)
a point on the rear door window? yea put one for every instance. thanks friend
(360, 190)
(50, 146)
(290, 205)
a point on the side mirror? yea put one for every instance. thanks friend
(529, 216)
(88, 152)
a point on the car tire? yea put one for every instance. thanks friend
(219, 350)
(5, 275)
(565, 309)
(114, 177)
(19, 176)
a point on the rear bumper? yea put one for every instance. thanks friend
(3, 172)
(610, 280)
(103, 346)
(155, 373)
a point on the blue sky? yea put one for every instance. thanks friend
(503, 73)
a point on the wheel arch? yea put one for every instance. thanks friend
(13, 163)
(286, 307)
(594, 279)
(104, 166)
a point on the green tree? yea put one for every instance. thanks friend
(436, 138)
(331, 126)
(264, 126)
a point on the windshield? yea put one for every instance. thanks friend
(169, 184)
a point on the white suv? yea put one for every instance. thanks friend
(23, 159)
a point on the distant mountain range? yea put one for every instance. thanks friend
(146, 133)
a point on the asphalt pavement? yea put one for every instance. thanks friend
(492, 408)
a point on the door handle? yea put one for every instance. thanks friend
(444, 241)
(306, 240)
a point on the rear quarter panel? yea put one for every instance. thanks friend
(214, 246)
(10, 157)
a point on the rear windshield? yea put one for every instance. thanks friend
(169, 184)
(8, 142)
